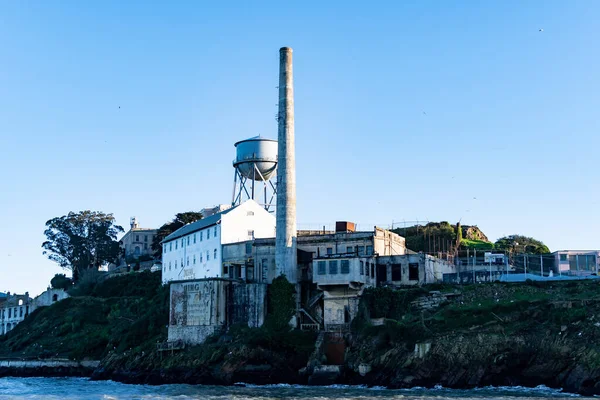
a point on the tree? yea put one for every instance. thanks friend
(521, 244)
(83, 240)
(60, 281)
(282, 304)
(180, 220)
(459, 237)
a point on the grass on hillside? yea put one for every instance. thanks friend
(119, 314)
(476, 244)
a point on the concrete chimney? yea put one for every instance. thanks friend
(285, 237)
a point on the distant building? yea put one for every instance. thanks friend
(136, 245)
(577, 262)
(195, 250)
(13, 309)
(49, 297)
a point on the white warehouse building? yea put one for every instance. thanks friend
(195, 250)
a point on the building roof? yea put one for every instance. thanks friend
(196, 226)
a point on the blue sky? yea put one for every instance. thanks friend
(404, 110)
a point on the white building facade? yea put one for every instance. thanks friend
(195, 250)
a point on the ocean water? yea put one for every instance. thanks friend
(81, 388)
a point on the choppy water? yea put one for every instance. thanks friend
(79, 388)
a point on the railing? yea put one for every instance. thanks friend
(170, 346)
(310, 327)
(337, 327)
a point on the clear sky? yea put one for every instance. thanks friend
(405, 110)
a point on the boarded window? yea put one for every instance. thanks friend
(396, 272)
(413, 271)
(372, 270)
(333, 267)
(321, 267)
(345, 266)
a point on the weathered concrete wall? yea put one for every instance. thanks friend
(415, 269)
(47, 368)
(248, 304)
(388, 243)
(197, 309)
(49, 297)
(202, 307)
(340, 305)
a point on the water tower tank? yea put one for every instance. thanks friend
(259, 153)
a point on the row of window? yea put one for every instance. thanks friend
(186, 240)
(137, 238)
(344, 267)
(10, 312)
(187, 261)
(360, 250)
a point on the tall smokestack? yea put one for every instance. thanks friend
(285, 239)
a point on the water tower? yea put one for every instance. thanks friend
(255, 163)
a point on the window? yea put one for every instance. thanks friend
(333, 267)
(563, 257)
(215, 232)
(372, 270)
(413, 271)
(194, 260)
(20, 302)
(250, 213)
(169, 265)
(164, 268)
(321, 267)
(182, 263)
(188, 240)
(329, 251)
(207, 256)
(171, 246)
(215, 254)
(10, 313)
(201, 234)
(361, 250)
(146, 238)
(182, 243)
(137, 238)
(225, 270)
(349, 249)
(369, 250)
(145, 246)
(194, 238)
(264, 269)
(362, 268)
(200, 257)
(165, 248)
(188, 261)
(27, 308)
(208, 234)
(248, 247)
(251, 234)
(176, 245)
(21, 312)
(396, 272)
(345, 266)
(137, 250)
(249, 273)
